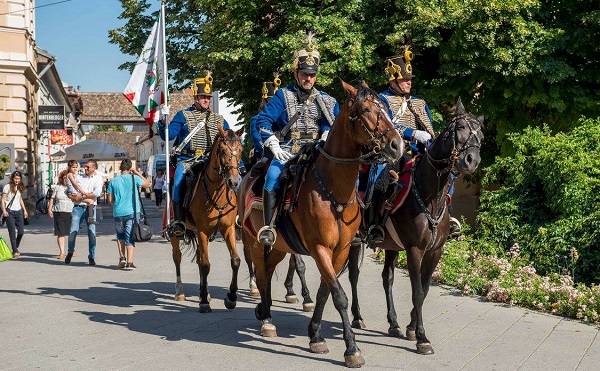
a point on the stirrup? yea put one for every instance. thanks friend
(177, 229)
(262, 239)
(455, 227)
(374, 229)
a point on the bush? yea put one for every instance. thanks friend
(546, 198)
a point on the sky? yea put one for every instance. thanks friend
(76, 33)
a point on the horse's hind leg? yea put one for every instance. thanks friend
(420, 269)
(353, 273)
(204, 270)
(290, 296)
(179, 293)
(230, 239)
(307, 305)
(248, 243)
(391, 258)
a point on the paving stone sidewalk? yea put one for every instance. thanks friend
(77, 317)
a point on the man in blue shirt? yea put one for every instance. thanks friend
(194, 130)
(296, 115)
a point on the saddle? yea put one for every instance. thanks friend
(191, 179)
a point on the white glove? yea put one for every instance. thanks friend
(324, 136)
(421, 136)
(164, 111)
(273, 144)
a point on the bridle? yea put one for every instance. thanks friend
(224, 166)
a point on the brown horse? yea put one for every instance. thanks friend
(327, 215)
(213, 209)
(421, 224)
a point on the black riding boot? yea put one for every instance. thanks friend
(267, 234)
(178, 227)
(375, 232)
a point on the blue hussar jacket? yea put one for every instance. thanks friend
(408, 132)
(274, 116)
(257, 142)
(179, 129)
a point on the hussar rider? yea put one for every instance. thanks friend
(194, 130)
(296, 115)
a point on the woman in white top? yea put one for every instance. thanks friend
(159, 180)
(14, 210)
(60, 208)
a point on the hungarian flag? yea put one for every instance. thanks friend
(145, 89)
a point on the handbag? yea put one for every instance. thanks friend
(26, 220)
(2, 217)
(142, 231)
(5, 251)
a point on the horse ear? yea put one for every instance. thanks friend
(351, 90)
(221, 130)
(364, 84)
(458, 108)
(239, 132)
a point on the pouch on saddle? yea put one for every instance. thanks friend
(294, 173)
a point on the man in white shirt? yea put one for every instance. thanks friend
(91, 183)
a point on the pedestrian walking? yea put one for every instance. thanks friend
(157, 187)
(91, 184)
(122, 193)
(14, 210)
(60, 208)
(74, 187)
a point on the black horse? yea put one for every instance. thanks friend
(421, 224)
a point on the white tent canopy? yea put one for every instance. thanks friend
(90, 149)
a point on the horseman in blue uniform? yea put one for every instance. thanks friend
(268, 90)
(194, 130)
(296, 115)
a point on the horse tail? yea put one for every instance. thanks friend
(355, 244)
(189, 244)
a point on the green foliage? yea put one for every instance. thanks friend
(518, 63)
(104, 128)
(546, 198)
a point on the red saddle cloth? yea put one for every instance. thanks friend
(254, 201)
(406, 178)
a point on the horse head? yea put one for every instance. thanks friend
(460, 143)
(227, 151)
(370, 125)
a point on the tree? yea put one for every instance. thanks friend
(104, 128)
(518, 63)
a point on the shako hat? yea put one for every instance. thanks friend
(399, 67)
(307, 59)
(203, 85)
(270, 87)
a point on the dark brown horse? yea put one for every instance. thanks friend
(213, 209)
(327, 216)
(421, 224)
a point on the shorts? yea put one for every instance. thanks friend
(62, 223)
(124, 228)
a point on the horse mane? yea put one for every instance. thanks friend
(364, 92)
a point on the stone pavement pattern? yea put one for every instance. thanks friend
(77, 317)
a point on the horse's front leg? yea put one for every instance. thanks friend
(230, 240)
(179, 293)
(389, 268)
(353, 273)
(204, 269)
(290, 296)
(264, 265)
(415, 329)
(248, 242)
(328, 267)
(307, 304)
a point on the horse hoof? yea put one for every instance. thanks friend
(205, 308)
(424, 348)
(268, 330)
(229, 304)
(292, 299)
(319, 348)
(411, 334)
(308, 307)
(208, 298)
(359, 323)
(180, 297)
(255, 293)
(354, 360)
(395, 332)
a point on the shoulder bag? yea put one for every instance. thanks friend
(2, 217)
(142, 231)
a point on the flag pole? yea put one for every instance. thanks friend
(166, 92)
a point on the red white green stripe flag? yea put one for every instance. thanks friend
(146, 88)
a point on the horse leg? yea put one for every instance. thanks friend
(179, 293)
(328, 267)
(247, 241)
(307, 305)
(204, 269)
(230, 239)
(290, 296)
(317, 343)
(264, 269)
(353, 273)
(391, 258)
(415, 329)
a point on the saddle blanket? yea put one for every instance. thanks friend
(406, 179)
